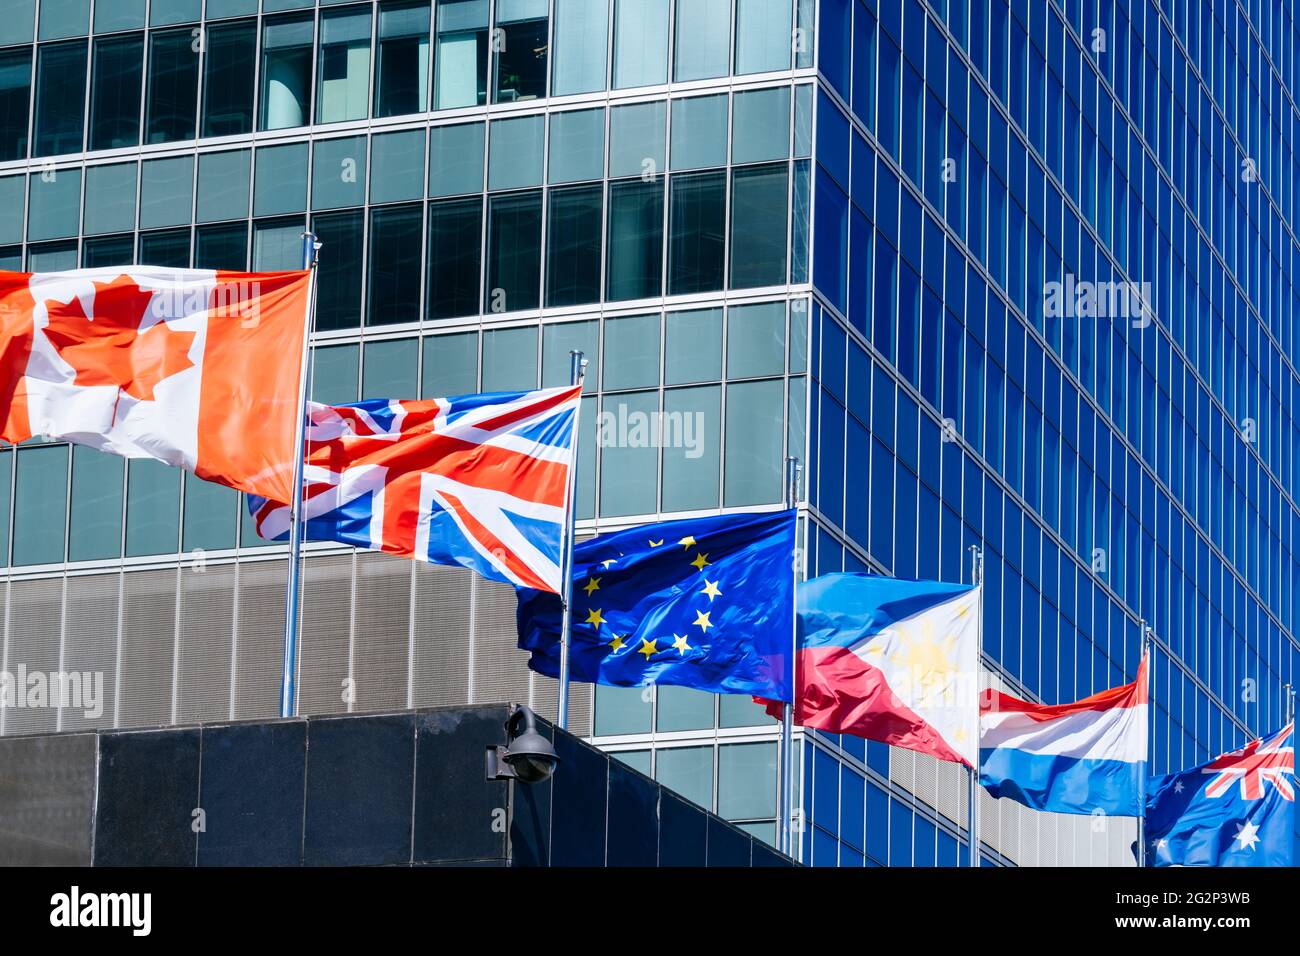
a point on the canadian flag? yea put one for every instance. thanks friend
(196, 368)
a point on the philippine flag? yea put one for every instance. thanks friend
(891, 660)
(1068, 758)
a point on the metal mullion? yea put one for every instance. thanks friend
(63, 594)
(31, 104)
(85, 107)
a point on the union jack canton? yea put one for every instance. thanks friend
(475, 480)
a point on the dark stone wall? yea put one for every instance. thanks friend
(357, 790)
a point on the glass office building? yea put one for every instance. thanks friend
(827, 229)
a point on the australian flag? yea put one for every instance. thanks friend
(1236, 810)
(476, 480)
(701, 602)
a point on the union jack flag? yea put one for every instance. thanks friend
(476, 480)
(1257, 764)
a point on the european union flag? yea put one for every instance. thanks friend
(700, 602)
(1236, 810)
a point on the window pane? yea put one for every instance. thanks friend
(95, 531)
(509, 360)
(17, 25)
(640, 43)
(699, 132)
(394, 265)
(64, 18)
(173, 87)
(222, 247)
(763, 35)
(693, 346)
(338, 273)
(516, 157)
(455, 234)
(52, 204)
(232, 8)
(108, 251)
(746, 781)
(753, 456)
(402, 60)
(637, 139)
(277, 245)
(636, 236)
(13, 189)
(52, 257)
(756, 340)
(621, 710)
(40, 504)
(687, 771)
(737, 711)
(697, 227)
(165, 191)
(286, 72)
(153, 501)
(521, 50)
(397, 166)
(759, 205)
(115, 92)
(338, 173)
(60, 92)
(169, 248)
(11, 258)
(692, 447)
(581, 41)
(110, 198)
(628, 473)
(462, 53)
(162, 12)
(577, 146)
(450, 365)
(335, 378)
(280, 179)
(703, 47)
(631, 352)
(223, 185)
(344, 70)
(683, 708)
(761, 124)
(230, 65)
(455, 159)
(391, 370)
(558, 340)
(573, 245)
(210, 518)
(514, 251)
(15, 91)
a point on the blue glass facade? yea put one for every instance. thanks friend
(1012, 275)
(1113, 465)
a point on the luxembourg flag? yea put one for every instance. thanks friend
(1068, 758)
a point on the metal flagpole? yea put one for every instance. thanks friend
(577, 372)
(1147, 648)
(1289, 704)
(289, 679)
(785, 798)
(973, 776)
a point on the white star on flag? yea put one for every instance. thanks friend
(1247, 835)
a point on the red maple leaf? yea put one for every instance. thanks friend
(111, 349)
